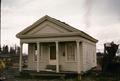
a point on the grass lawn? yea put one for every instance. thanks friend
(88, 76)
(97, 76)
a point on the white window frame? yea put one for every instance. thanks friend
(66, 52)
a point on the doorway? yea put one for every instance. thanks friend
(52, 56)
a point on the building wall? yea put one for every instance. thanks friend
(89, 56)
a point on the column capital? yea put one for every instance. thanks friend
(37, 42)
(56, 41)
(77, 41)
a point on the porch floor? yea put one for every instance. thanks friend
(61, 74)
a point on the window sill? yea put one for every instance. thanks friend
(70, 61)
(39, 61)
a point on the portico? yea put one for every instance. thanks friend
(56, 43)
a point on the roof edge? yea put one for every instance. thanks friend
(46, 35)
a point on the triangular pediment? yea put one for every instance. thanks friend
(46, 27)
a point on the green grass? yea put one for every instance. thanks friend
(94, 76)
(88, 76)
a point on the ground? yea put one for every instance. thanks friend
(11, 74)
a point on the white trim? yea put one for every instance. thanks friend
(78, 55)
(38, 55)
(57, 56)
(51, 39)
(20, 59)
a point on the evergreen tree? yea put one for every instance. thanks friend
(5, 49)
(12, 51)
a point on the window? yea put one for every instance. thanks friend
(70, 51)
(52, 52)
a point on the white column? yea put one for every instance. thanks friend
(38, 55)
(78, 56)
(57, 57)
(20, 58)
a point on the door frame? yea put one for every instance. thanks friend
(52, 62)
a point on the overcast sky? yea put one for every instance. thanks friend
(99, 18)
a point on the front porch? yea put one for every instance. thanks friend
(52, 56)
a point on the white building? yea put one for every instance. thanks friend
(55, 43)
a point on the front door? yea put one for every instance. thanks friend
(52, 58)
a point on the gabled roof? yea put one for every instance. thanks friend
(73, 31)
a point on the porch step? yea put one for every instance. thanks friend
(51, 67)
(49, 75)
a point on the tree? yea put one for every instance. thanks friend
(18, 50)
(5, 49)
(12, 50)
(0, 49)
(110, 50)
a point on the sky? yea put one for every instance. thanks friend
(98, 18)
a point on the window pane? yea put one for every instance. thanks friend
(52, 52)
(35, 55)
(70, 52)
